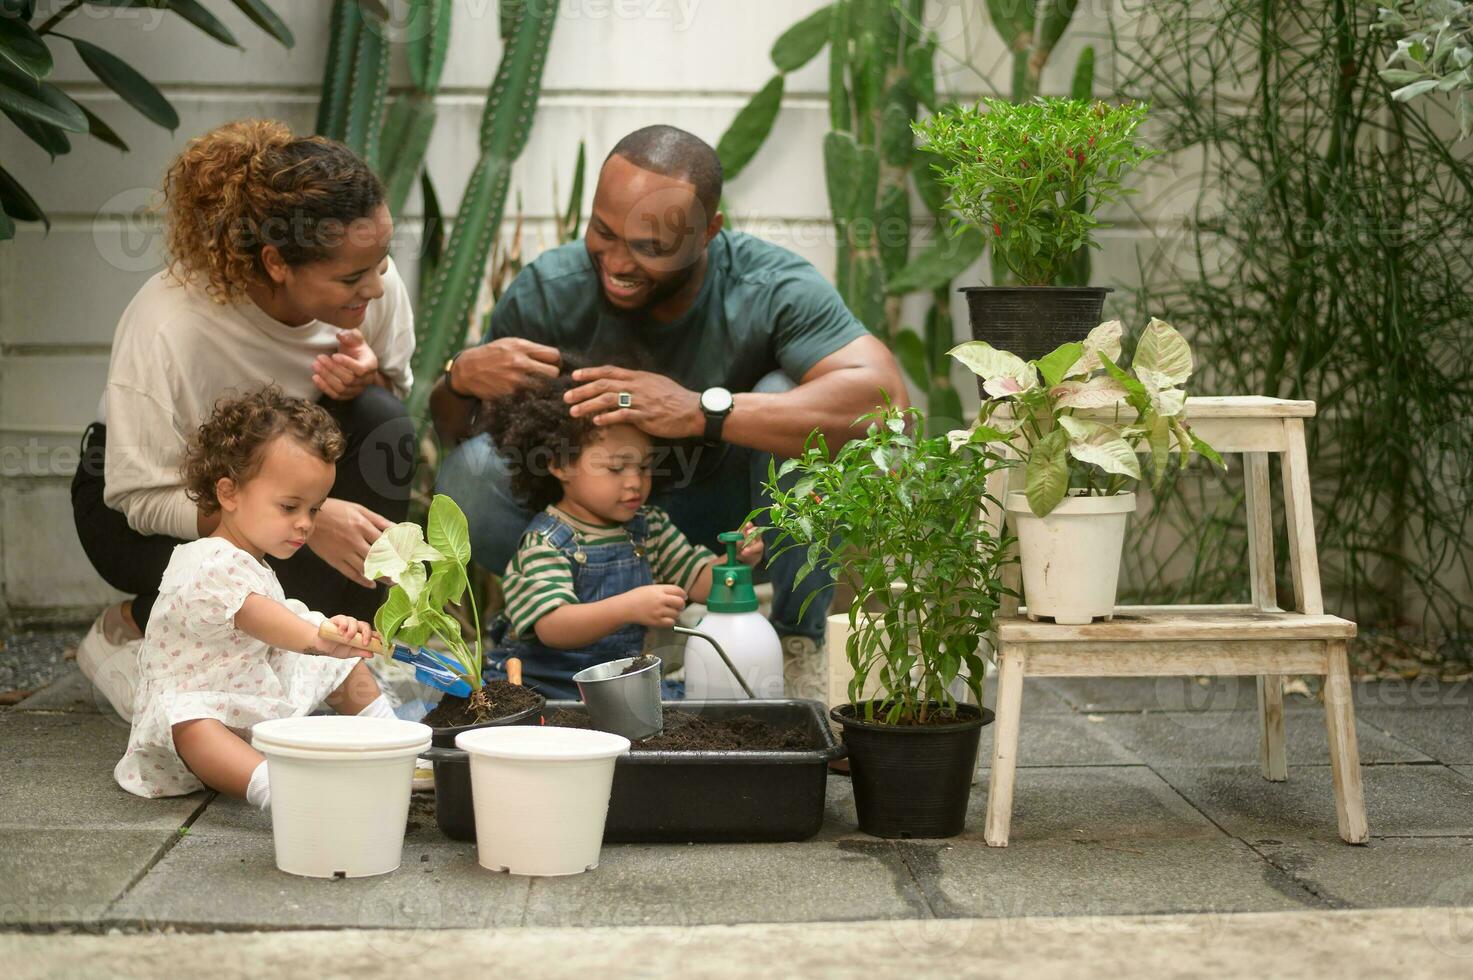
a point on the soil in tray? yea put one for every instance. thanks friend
(502, 698)
(686, 732)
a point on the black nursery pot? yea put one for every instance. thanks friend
(912, 780)
(454, 807)
(1030, 321)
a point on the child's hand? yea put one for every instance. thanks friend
(654, 605)
(753, 548)
(356, 634)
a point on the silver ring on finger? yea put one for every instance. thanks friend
(626, 400)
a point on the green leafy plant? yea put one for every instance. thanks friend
(1034, 175)
(46, 114)
(1038, 404)
(896, 518)
(415, 609)
(1434, 52)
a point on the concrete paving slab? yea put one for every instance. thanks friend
(1194, 694)
(1118, 877)
(1055, 739)
(70, 692)
(1463, 770)
(79, 796)
(1039, 696)
(1408, 944)
(1425, 691)
(1396, 872)
(1401, 801)
(69, 877)
(1096, 803)
(1446, 734)
(1230, 738)
(233, 882)
(62, 739)
(679, 886)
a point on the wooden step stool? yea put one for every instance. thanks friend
(1254, 639)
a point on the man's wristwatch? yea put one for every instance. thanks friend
(450, 379)
(716, 405)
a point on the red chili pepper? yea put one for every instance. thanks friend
(1091, 142)
(997, 229)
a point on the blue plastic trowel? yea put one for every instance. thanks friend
(430, 668)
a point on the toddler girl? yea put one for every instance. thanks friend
(224, 648)
(597, 565)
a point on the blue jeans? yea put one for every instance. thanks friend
(725, 489)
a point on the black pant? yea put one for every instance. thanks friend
(375, 471)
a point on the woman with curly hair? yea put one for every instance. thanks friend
(597, 566)
(278, 273)
(225, 648)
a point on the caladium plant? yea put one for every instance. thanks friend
(415, 608)
(1078, 403)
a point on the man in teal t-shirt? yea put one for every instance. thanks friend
(745, 350)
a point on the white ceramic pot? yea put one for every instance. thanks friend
(541, 796)
(1071, 558)
(339, 791)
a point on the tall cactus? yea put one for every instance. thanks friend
(356, 80)
(506, 121)
(411, 119)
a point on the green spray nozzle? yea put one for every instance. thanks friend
(731, 583)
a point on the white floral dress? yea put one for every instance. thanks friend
(194, 663)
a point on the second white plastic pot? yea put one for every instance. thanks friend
(1071, 557)
(339, 791)
(541, 796)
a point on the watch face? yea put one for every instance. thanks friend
(716, 400)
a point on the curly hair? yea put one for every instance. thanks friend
(534, 431)
(231, 440)
(251, 183)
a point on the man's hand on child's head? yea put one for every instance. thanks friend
(654, 605)
(753, 548)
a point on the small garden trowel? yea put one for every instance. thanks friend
(429, 667)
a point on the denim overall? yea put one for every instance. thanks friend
(599, 571)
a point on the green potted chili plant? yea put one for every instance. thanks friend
(897, 518)
(1033, 177)
(1077, 419)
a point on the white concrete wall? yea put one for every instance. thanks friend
(615, 65)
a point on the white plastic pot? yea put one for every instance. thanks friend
(339, 791)
(541, 796)
(1071, 558)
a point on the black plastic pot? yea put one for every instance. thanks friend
(454, 811)
(912, 780)
(690, 797)
(1030, 321)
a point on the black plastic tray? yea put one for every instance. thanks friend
(695, 797)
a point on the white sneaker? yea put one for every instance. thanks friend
(805, 668)
(110, 662)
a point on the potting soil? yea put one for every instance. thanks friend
(688, 732)
(502, 698)
(639, 663)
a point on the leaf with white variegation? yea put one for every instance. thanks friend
(1003, 373)
(397, 551)
(1163, 351)
(1105, 339)
(1100, 392)
(1100, 445)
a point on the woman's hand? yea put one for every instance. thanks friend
(753, 548)
(344, 533)
(343, 376)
